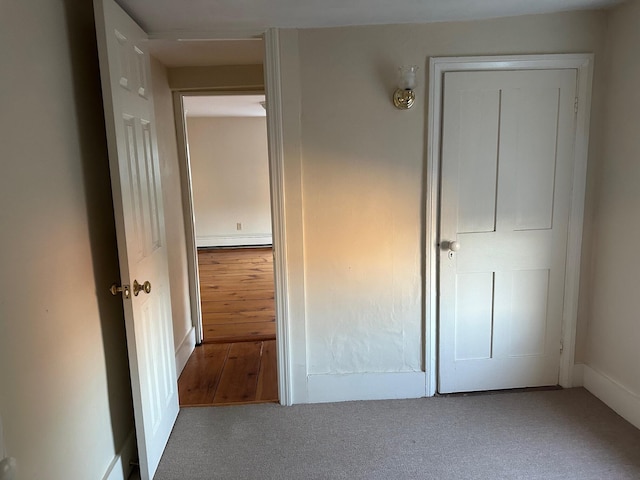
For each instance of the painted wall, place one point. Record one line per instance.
(174, 216)
(219, 77)
(230, 171)
(362, 176)
(614, 328)
(65, 398)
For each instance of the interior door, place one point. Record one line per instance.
(507, 156)
(137, 197)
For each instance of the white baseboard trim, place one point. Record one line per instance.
(622, 400)
(233, 240)
(577, 377)
(185, 349)
(365, 386)
(120, 467)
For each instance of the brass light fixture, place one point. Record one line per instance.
(404, 96)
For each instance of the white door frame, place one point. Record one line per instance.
(186, 189)
(276, 181)
(273, 87)
(583, 64)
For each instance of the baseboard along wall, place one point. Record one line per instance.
(622, 400)
(323, 388)
(184, 350)
(120, 467)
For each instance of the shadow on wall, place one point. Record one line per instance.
(97, 186)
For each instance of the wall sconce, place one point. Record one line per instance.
(404, 96)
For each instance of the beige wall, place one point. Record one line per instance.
(614, 328)
(221, 77)
(230, 172)
(362, 164)
(173, 211)
(65, 398)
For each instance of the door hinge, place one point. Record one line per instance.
(575, 105)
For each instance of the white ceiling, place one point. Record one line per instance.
(224, 106)
(241, 18)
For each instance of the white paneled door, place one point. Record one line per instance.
(507, 160)
(137, 197)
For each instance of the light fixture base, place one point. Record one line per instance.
(404, 99)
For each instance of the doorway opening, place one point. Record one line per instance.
(226, 144)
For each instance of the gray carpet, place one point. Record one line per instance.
(563, 434)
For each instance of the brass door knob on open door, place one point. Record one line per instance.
(141, 287)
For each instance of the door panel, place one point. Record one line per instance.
(479, 123)
(535, 155)
(137, 196)
(507, 153)
(474, 316)
(529, 291)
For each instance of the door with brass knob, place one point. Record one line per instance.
(139, 218)
(141, 287)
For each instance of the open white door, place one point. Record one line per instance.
(137, 198)
(507, 164)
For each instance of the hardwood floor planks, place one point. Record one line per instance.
(239, 380)
(239, 332)
(268, 377)
(237, 255)
(239, 268)
(237, 294)
(237, 362)
(243, 317)
(200, 378)
(237, 317)
(221, 306)
(253, 294)
(230, 373)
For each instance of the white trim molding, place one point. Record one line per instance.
(324, 388)
(583, 64)
(189, 215)
(273, 93)
(120, 466)
(185, 349)
(233, 240)
(622, 400)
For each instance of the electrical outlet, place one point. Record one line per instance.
(238, 226)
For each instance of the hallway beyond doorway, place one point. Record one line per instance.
(237, 294)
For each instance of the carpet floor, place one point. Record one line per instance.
(562, 434)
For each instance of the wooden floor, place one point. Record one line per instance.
(237, 361)
(230, 373)
(237, 294)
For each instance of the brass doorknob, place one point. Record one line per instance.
(144, 287)
(115, 289)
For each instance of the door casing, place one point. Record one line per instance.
(583, 64)
(276, 180)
